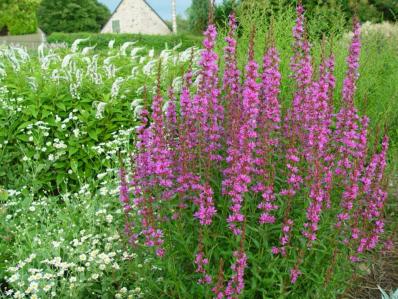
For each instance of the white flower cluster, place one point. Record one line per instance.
(79, 68)
(64, 261)
(387, 29)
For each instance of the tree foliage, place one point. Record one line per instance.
(72, 15)
(223, 10)
(198, 15)
(19, 16)
(367, 10)
(182, 24)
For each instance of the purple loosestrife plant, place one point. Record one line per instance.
(374, 201)
(161, 171)
(240, 157)
(235, 176)
(269, 119)
(349, 85)
(317, 153)
(231, 82)
(206, 206)
(209, 112)
(298, 115)
(236, 284)
(187, 141)
(202, 262)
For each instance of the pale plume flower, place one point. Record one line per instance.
(75, 45)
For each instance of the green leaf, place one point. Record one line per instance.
(73, 150)
(24, 125)
(59, 179)
(32, 110)
(74, 166)
(3, 194)
(60, 105)
(93, 135)
(24, 138)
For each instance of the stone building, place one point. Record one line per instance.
(136, 16)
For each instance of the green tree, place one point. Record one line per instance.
(18, 16)
(72, 16)
(182, 24)
(198, 15)
(367, 10)
(223, 10)
(388, 9)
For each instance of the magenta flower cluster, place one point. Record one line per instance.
(225, 145)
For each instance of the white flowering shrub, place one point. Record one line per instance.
(59, 106)
(386, 29)
(69, 246)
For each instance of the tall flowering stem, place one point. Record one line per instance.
(154, 176)
(236, 284)
(240, 157)
(161, 156)
(301, 66)
(187, 141)
(209, 112)
(202, 262)
(317, 149)
(269, 119)
(349, 85)
(206, 206)
(296, 122)
(294, 182)
(142, 185)
(231, 81)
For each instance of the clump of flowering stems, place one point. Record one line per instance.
(215, 153)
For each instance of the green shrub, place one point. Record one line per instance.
(57, 123)
(101, 41)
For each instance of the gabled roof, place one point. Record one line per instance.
(121, 1)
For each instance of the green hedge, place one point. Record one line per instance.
(101, 41)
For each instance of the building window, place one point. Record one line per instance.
(116, 26)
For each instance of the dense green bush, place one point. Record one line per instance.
(61, 118)
(72, 15)
(198, 15)
(101, 41)
(19, 17)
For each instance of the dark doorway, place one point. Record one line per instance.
(4, 31)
